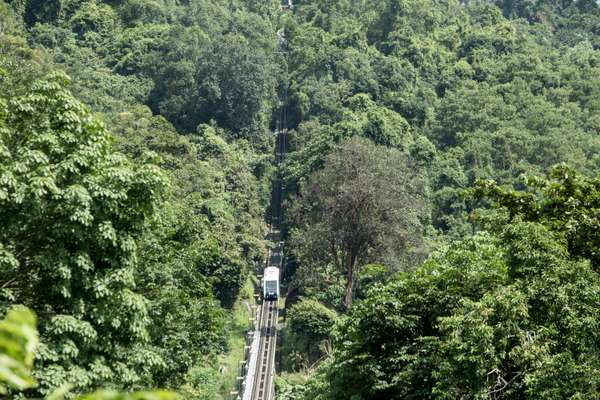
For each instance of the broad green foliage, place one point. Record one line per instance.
(193, 62)
(18, 343)
(214, 204)
(201, 249)
(497, 97)
(361, 117)
(287, 391)
(308, 328)
(203, 383)
(371, 275)
(482, 316)
(483, 95)
(133, 262)
(180, 269)
(108, 395)
(568, 204)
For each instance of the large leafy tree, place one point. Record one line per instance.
(71, 210)
(499, 316)
(367, 203)
(195, 257)
(487, 317)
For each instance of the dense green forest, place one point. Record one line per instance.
(132, 205)
(470, 280)
(442, 220)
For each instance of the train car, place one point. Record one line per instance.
(271, 283)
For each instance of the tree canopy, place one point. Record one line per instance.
(488, 316)
(366, 203)
(71, 212)
(136, 167)
(129, 235)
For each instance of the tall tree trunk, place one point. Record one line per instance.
(350, 285)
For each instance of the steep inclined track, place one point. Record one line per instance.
(258, 384)
(261, 369)
(263, 386)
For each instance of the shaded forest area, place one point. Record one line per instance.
(442, 201)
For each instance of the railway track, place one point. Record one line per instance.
(263, 385)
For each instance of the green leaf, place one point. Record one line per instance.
(18, 341)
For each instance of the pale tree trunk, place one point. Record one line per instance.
(350, 284)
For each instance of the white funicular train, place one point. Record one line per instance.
(271, 283)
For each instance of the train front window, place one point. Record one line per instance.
(271, 286)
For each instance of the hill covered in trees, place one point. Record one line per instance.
(132, 206)
(459, 292)
(135, 170)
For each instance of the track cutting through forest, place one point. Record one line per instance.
(261, 371)
(263, 388)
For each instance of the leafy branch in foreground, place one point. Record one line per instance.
(18, 340)
(18, 343)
